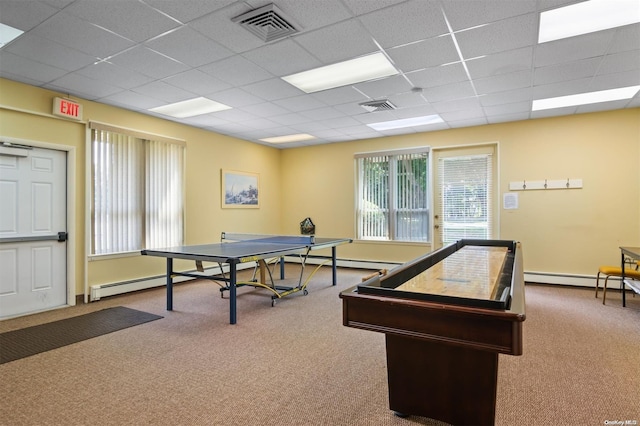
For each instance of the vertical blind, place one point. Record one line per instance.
(392, 196)
(466, 194)
(373, 211)
(137, 199)
(164, 219)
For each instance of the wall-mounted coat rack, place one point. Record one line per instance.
(525, 185)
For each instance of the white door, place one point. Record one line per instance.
(464, 194)
(33, 229)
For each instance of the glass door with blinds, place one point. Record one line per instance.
(465, 203)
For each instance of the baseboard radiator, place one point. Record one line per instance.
(111, 289)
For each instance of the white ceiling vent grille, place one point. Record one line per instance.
(268, 23)
(380, 105)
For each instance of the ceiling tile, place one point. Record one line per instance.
(339, 95)
(271, 90)
(502, 82)
(438, 76)
(219, 26)
(508, 117)
(625, 38)
(265, 109)
(235, 97)
(408, 100)
(384, 87)
(467, 122)
(196, 81)
(618, 62)
(282, 58)
(201, 51)
(508, 34)
(322, 113)
(572, 49)
(449, 92)
(148, 62)
(81, 86)
(354, 41)
(290, 119)
(562, 88)
(405, 23)
(299, 103)
(237, 71)
(566, 71)
(310, 14)
(28, 69)
(132, 100)
(501, 63)
(115, 75)
(516, 107)
(47, 52)
(424, 54)
(163, 91)
(463, 114)
(185, 11)
(123, 18)
(457, 104)
(360, 7)
(464, 14)
(614, 80)
(81, 35)
(25, 15)
(507, 97)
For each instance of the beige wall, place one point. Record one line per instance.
(569, 232)
(562, 231)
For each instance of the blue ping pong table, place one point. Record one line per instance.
(244, 248)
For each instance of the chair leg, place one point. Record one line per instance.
(604, 289)
(597, 283)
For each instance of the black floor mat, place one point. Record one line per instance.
(29, 341)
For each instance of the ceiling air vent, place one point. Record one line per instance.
(380, 105)
(268, 23)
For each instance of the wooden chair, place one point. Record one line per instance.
(615, 271)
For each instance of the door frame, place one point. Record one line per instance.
(72, 229)
(434, 184)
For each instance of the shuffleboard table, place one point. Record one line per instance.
(446, 317)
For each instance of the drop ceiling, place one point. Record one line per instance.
(472, 62)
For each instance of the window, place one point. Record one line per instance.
(466, 197)
(392, 195)
(136, 188)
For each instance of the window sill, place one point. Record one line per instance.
(94, 257)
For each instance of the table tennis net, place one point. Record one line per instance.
(265, 238)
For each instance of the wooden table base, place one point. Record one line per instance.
(453, 384)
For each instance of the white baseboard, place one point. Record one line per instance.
(568, 279)
(111, 289)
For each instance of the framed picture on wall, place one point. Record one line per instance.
(240, 190)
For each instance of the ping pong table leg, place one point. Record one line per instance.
(334, 267)
(282, 268)
(169, 284)
(232, 293)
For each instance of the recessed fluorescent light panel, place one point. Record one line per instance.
(587, 17)
(190, 108)
(406, 122)
(585, 98)
(353, 71)
(8, 34)
(289, 138)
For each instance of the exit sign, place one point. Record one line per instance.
(67, 108)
